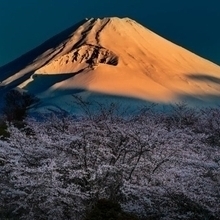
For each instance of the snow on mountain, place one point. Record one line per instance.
(112, 56)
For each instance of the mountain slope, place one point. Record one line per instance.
(117, 57)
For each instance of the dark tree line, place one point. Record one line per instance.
(16, 105)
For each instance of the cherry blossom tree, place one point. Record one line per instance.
(60, 167)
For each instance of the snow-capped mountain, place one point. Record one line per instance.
(112, 56)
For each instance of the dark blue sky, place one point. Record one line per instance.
(193, 24)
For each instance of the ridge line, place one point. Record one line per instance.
(97, 37)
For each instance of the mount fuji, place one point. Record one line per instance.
(112, 58)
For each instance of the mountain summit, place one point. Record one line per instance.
(113, 56)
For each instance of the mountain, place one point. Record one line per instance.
(116, 57)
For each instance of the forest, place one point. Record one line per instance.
(148, 165)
